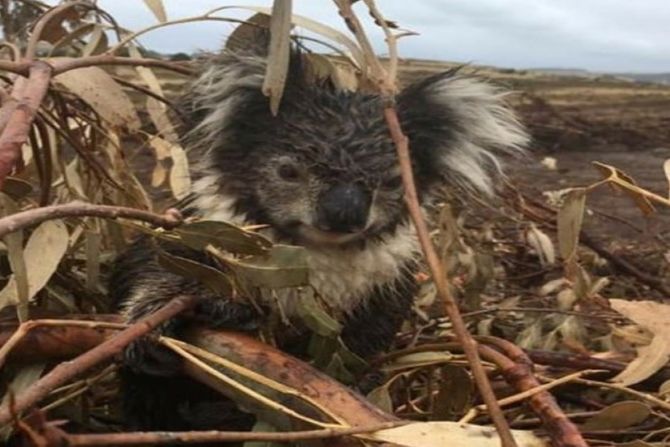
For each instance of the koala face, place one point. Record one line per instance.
(324, 171)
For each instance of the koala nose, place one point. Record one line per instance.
(343, 208)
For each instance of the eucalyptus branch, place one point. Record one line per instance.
(391, 41)
(170, 219)
(376, 70)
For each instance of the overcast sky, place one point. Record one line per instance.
(599, 35)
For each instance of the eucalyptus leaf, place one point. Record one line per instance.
(211, 277)
(316, 319)
(282, 266)
(225, 236)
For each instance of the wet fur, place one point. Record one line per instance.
(458, 128)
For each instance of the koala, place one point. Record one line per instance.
(322, 174)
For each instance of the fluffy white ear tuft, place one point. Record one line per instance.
(470, 127)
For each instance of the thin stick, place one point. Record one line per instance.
(515, 398)
(60, 66)
(170, 219)
(68, 370)
(136, 34)
(624, 389)
(470, 347)
(160, 438)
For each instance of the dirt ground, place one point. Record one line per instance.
(578, 120)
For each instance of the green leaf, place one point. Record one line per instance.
(225, 236)
(381, 398)
(16, 188)
(211, 277)
(618, 416)
(316, 318)
(43, 252)
(283, 266)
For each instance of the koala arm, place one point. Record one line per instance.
(139, 285)
(371, 328)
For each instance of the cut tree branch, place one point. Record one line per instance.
(68, 370)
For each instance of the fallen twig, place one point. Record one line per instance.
(516, 367)
(55, 436)
(170, 219)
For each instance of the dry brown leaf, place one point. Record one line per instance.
(180, 178)
(158, 9)
(541, 243)
(99, 90)
(620, 179)
(158, 114)
(147, 74)
(162, 150)
(78, 33)
(43, 252)
(14, 243)
(618, 416)
(54, 30)
(570, 218)
(97, 43)
(331, 34)
(422, 434)
(654, 317)
(278, 53)
(93, 250)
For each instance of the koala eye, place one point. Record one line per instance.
(288, 172)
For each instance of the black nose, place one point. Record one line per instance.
(343, 208)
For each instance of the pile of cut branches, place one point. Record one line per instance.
(541, 348)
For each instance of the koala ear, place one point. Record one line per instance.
(458, 127)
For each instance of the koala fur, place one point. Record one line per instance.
(323, 174)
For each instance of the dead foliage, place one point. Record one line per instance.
(89, 150)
